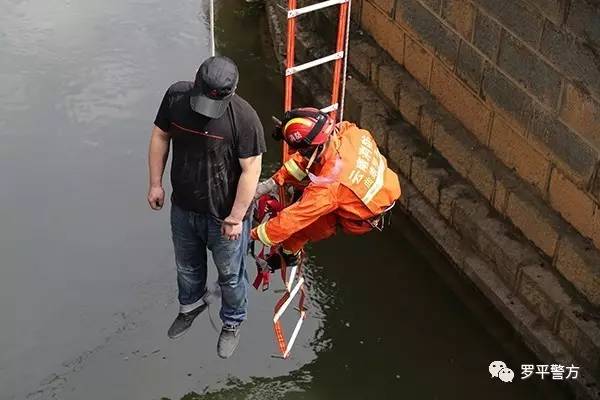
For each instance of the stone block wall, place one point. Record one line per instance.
(524, 71)
(522, 77)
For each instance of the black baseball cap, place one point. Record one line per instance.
(215, 84)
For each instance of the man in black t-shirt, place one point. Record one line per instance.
(218, 141)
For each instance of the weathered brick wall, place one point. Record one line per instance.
(458, 190)
(522, 75)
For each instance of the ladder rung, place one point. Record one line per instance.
(314, 7)
(291, 296)
(330, 108)
(310, 64)
(294, 335)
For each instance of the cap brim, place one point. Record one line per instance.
(209, 107)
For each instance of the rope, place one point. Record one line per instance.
(212, 28)
(343, 96)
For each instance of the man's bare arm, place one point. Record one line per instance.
(157, 158)
(246, 188)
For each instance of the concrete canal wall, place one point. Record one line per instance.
(490, 112)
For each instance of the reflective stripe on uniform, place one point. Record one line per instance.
(376, 187)
(293, 168)
(261, 231)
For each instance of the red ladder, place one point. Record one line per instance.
(339, 57)
(335, 110)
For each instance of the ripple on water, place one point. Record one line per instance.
(107, 90)
(13, 94)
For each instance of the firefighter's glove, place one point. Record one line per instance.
(265, 187)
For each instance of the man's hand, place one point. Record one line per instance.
(156, 197)
(231, 228)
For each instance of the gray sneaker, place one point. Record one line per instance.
(183, 322)
(228, 340)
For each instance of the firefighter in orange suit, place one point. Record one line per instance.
(346, 182)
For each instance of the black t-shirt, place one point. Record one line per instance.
(206, 152)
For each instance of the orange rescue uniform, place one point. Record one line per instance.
(350, 185)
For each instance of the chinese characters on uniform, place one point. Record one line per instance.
(367, 163)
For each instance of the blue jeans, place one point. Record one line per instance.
(193, 234)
